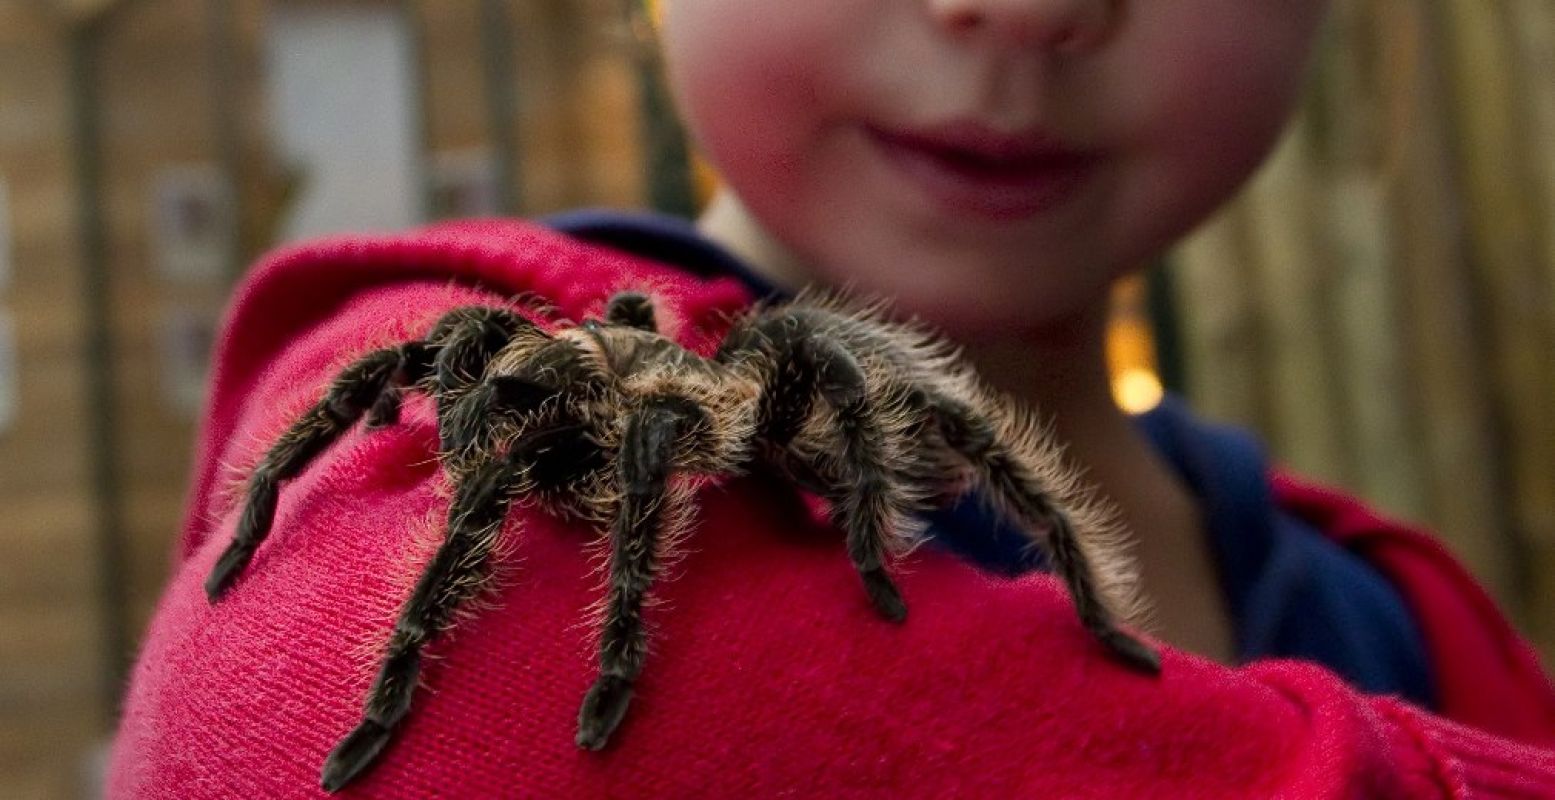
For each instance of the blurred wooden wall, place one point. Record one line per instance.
(1379, 301)
(49, 680)
(161, 65)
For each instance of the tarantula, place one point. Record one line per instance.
(879, 418)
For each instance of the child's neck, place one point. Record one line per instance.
(727, 222)
(1062, 371)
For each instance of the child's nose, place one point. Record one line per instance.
(1066, 26)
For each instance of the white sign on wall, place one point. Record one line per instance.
(339, 84)
(193, 223)
(187, 336)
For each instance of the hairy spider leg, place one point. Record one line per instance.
(868, 507)
(646, 456)
(865, 501)
(632, 309)
(455, 574)
(468, 339)
(370, 386)
(352, 393)
(414, 367)
(1008, 471)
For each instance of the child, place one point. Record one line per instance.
(991, 166)
(995, 184)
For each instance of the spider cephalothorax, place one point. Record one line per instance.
(611, 422)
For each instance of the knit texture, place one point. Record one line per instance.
(770, 676)
(1487, 676)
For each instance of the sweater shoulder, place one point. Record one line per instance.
(305, 311)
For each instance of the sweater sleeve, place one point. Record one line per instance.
(1487, 675)
(1459, 761)
(770, 676)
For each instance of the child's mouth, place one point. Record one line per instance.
(973, 170)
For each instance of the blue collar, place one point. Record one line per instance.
(662, 238)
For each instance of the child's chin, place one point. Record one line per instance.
(986, 314)
(970, 320)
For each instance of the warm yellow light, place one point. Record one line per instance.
(1137, 390)
(704, 179)
(1136, 387)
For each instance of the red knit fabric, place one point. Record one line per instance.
(1486, 675)
(771, 676)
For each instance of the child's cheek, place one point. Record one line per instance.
(1214, 105)
(746, 79)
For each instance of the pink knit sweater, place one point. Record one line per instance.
(771, 677)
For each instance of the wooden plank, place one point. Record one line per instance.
(24, 24)
(1381, 437)
(44, 447)
(1353, 169)
(34, 164)
(50, 655)
(34, 782)
(47, 552)
(84, 12)
(1306, 429)
(50, 747)
(1451, 375)
(614, 172)
(456, 117)
(1491, 133)
(1222, 338)
(1533, 28)
(49, 324)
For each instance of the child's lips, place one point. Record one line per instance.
(973, 170)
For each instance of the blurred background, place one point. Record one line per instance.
(1378, 304)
